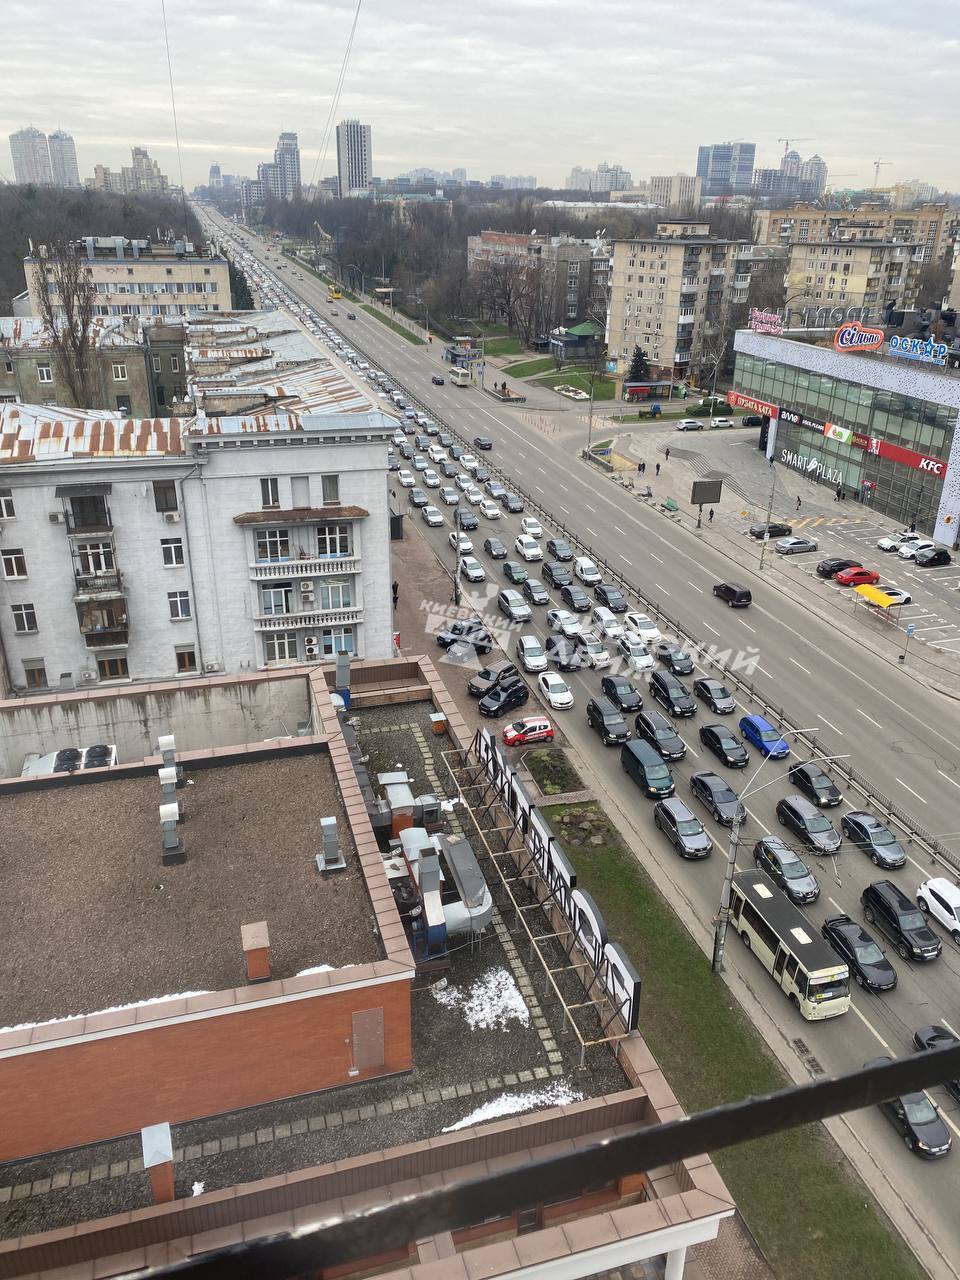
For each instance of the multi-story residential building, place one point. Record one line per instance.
(128, 364)
(215, 178)
(105, 179)
(354, 158)
(802, 223)
(143, 278)
(251, 194)
(605, 177)
(670, 291)
(31, 157)
(952, 299)
(676, 191)
(514, 181)
(138, 549)
(142, 175)
(801, 179)
(268, 179)
(563, 264)
(726, 167)
(63, 160)
(286, 158)
(905, 194)
(854, 271)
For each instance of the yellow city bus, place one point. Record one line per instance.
(333, 293)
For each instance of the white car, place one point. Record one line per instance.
(399, 438)
(436, 454)
(463, 482)
(432, 517)
(566, 623)
(722, 422)
(528, 547)
(406, 478)
(473, 495)
(606, 622)
(531, 527)
(643, 626)
(635, 653)
(460, 542)
(894, 541)
(555, 690)
(940, 898)
(469, 463)
(489, 509)
(591, 650)
(472, 569)
(909, 550)
(449, 496)
(431, 479)
(530, 654)
(587, 571)
(897, 595)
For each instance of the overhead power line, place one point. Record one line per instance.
(321, 159)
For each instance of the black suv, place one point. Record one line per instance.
(660, 733)
(901, 920)
(556, 574)
(803, 818)
(677, 659)
(612, 597)
(621, 693)
(559, 548)
(507, 696)
(511, 502)
(733, 594)
(470, 631)
(489, 677)
(682, 828)
(604, 718)
(775, 857)
(672, 694)
(815, 784)
(725, 745)
(575, 598)
(534, 591)
(869, 966)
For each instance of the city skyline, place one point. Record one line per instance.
(421, 80)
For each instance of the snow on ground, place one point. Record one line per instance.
(492, 1001)
(557, 1094)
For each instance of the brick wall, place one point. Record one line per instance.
(95, 1086)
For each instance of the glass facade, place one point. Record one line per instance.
(905, 492)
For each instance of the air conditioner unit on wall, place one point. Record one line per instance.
(211, 666)
(88, 675)
(306, 586)
(311, 650)
(57, 517)
(172, 517)
(311, 640)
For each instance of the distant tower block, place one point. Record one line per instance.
(256, 950)
(156, 1143)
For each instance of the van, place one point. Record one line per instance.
(607, 720)
(642, 763)
(900, 919)
(733, 594)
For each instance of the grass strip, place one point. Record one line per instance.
(394, 325)
(551, 771)
(603, 388)
(527, 368)
(808, 1210)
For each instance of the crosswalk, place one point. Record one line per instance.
(814, 522)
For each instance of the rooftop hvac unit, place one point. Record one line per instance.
(311, 650)
(172, 517)
(306, 585)
(312, 640)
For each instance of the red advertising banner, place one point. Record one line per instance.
(909, 458)
(748, 402)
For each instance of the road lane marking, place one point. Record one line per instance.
(626, 561)
(565, 511)
(948, 778)
(590, 531)
(695, 587)
(836, 904)
(619, 530)
(870, 718)
(870, 1027)
(910, 789)
(764, 671)
(659, 588)
(541, 470)
(804, 669)
(538, 489)
(829, 725)
(709, 628)
(757, 821)
(945, 1023)
(748, 626)
(653, 557)
(589, 508)
(563, 487)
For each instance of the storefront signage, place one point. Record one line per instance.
(739, 401)
(835, 432)
(811, 466)
(909, 457)
(766, 322)
(795, 419)
(854, 337)
(923, 349)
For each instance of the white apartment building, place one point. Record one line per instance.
(63, 160)
(31, 157)
(354, 158)
(676, 191)
(136, 550)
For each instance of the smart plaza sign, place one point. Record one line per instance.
(610, 965)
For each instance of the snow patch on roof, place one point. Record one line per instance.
(558, 1094)
(492, 1001)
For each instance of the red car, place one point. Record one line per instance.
(529, 729)
(856, 577)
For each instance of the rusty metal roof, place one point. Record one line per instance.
(32, 433)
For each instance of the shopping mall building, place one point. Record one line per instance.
(876, 417)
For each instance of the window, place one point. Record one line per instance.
(123, 404)
(169, 271)
(95, 557)
(113, 668)
(334, 540)
(179, 602)
(300, 491)
(174, 364)
(331, 490)
(24, 618)
(165, 495)
(270, 492)
(156, 364)
(6, 505)
(119, 371)
(44, 373)
(280, 646)
(171, 549)
(9, 366)
(186, 658)
(161, 396)
(276, 599)
(14, 563)
(35, 673)
(336, 595)
(273, 544)
(334, 640)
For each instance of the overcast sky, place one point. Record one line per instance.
(495, 86)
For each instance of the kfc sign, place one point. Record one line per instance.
(854, 337)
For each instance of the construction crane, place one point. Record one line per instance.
(786, 142)
(876, 171)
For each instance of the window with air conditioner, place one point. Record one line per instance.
(165, 495)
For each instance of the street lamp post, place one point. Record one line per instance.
(456, 556)
(723, 915)
(766, 524)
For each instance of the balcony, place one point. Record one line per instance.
(92, 520)
(107, 637)
(681, 357)
(308, 567)
(312, 618)
(97, 586)
(741, 282)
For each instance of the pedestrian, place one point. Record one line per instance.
(396, 593)
(666, 455)
(658, 468)
(913, 526)
(643, 468)
(836, 496)
(798, 504)
(639, 468)
(710, 516)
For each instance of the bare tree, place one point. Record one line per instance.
(712, 354)
(65, 296)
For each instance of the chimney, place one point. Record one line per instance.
(156, 1144)
(168, 784)
(256, 950)
(172, 846)
(330, 858)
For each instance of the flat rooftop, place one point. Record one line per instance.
(91, 919)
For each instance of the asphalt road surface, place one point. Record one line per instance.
(899, 733)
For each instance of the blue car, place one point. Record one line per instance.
(764, 737)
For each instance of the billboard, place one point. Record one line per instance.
(705, 492)
(856, 337)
